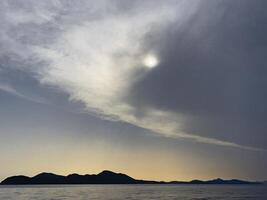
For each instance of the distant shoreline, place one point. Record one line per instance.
(109, 177)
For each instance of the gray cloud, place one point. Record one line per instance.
(208, 86)
(213, 71)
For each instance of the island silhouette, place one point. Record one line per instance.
(105, 177)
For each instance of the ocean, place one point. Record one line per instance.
(134, 192)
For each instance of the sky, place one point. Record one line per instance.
(159, 90)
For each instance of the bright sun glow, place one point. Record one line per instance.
(150, 61)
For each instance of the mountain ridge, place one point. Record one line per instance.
(104, 177)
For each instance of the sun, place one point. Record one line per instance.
(150, 61)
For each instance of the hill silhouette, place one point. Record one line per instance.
(105, 177)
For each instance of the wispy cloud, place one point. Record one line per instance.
(9, 89)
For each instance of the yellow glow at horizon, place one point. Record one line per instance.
(150, 61)
(81, 156)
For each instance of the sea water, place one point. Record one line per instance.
(134, 192)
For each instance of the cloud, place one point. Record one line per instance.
(94, 52)
(9, 89)
(212, 73)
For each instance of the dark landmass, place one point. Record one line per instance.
(105, 177)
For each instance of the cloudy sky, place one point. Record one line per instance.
(164, 90)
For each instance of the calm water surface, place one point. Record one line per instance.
(132, 192)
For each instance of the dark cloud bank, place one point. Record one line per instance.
(213, 70)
